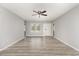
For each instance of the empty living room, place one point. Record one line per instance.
(39, 29)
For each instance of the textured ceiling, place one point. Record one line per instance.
(25, 10)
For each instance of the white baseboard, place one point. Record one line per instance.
(39, 35)
(67, 44)
(11, 44)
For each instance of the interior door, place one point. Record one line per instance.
(47, 29)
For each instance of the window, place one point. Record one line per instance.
(35, 27)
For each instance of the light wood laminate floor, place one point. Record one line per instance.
(39, 46)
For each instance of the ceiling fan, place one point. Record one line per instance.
(40, 13)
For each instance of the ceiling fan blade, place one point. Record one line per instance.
(35, 11)
(43, 11)
(44, 14)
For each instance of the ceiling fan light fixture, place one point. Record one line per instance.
(40, 13)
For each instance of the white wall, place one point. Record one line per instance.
(11, 28)
(67, 28)
(46, 29)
